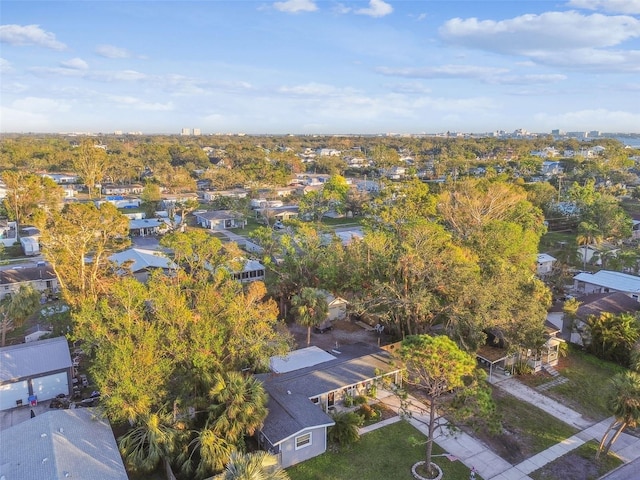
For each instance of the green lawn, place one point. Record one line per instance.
(579, 464)
(526, 430)
(386, 453)
(588, 378)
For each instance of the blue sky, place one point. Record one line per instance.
(305, 66)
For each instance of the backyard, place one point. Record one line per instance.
(388, 452)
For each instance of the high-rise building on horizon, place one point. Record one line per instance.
(196, 131)
(185, 131)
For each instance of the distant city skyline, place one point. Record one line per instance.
(320, 67)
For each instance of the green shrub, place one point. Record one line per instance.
(369, 413)
(348, 401)
(360, 400)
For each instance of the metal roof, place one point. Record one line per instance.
(618, 281)
(34, 358)
(143, 259)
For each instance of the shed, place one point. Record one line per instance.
(42, 368)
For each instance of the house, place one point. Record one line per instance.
(545, 264)
(148, 226)
(597, 303)
(37, 332)
(132, 189)
(141, 262)
(306, 385)
(60, 444)
(253, 271)
(8, 232)
(337, 306)
(237, 193)
(42, 369)
(606, 281)
(42, 279)
(219, 219)
(286, 212)
(595, 254)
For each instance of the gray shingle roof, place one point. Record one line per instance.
(290, 408)
(26, 275)
(61, 444)
(34, 358)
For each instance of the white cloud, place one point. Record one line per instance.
(444, 71)
(548, 31)
(75, 64)
(13, 87)
(15, 120)
(296, 6)
(5, 66)
(528, 79)
(22, 35)
(629, 7)
(136, 103)
(313, 90)
(409, 87)
(341, 9)
(377, 8)
(40, 105)
(111, 51)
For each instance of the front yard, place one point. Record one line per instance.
(579, 464)
(386, 453)
(526, 430)
(588, 377)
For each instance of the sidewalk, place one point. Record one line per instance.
(474, 453)
(468, 450)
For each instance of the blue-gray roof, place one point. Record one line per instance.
(34, 358)
(61, 444)
(290, 407)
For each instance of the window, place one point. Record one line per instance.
(303, 441)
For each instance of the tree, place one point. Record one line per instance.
(78, 241)
(624, 401)
(252, 466)
(15, 309)
(311, 309)
(149, 442)
(151, 197)
(612, 337)
(92, 163)
(436, 366)
(26, 191)
(588, 234)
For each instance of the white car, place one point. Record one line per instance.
(278, 225)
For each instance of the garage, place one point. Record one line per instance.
(50, 386)
(13, 394)
(42, 368)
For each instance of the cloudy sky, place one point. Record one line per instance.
(311, 66)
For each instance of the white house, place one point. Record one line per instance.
(42, 369)
(606, 281)
(545, 263)
(141, 262)
(252, 271)
(218, 219)
(8, 232)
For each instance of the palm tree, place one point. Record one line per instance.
(238, 406)
(310, 306)
(588, 233)
(252, 466)
(152, 440)
(346, 429)
(625, 403)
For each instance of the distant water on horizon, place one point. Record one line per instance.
(633, 142)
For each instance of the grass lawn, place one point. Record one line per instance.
(579, 464)
(526, 430)
(551, 241)
(386, 453)
(588, 377)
